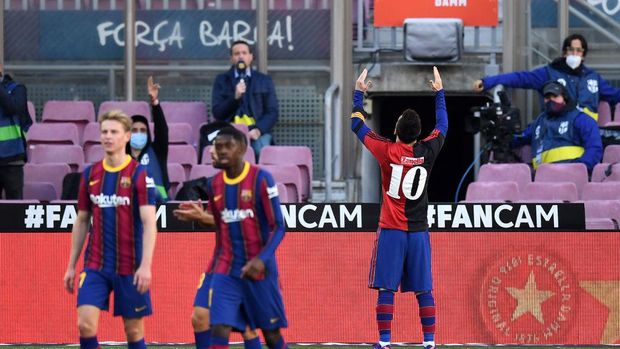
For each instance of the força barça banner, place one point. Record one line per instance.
(334, 217)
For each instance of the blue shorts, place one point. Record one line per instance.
(240, 302)
(202, 295)
(95, 287)
(402, 259)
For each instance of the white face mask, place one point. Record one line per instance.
(573, 61)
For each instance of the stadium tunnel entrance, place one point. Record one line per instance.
(457, 153)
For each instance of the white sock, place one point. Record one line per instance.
(424, 344)
(383, 344)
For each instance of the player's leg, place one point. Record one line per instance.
(386, 272)
(200, 315)
(93, 296)
(418, 277)
(133, 307)
(225, 309)
(274, 339)
(251, 340)
(134, 331)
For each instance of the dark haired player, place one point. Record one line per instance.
(402, 252)
(245, 209)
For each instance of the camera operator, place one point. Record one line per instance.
(561, 133)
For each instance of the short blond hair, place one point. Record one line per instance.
(117, 115)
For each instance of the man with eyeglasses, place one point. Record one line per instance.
(584, 85)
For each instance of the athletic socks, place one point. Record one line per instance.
(141, 344)
(89, 343)
(219, 342)
(385, 315)
(427, 315)
(253, 343)
(203, 339)
(280, 344)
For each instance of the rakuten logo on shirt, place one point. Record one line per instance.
(104, 201)
(236, 215)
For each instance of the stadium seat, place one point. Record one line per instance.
(293, 155)
(93, 153)
(290, 176)
(23, 201)
(182, 154)
(572, 172)
(57, 153)
(202, 171)
(602, 208)
(601, 224)
(517, 172)
(176, 176)
(193, 113)
(92, 135)
(77, 112)
(524, 153)
(283, 193)
(43, 191)
(53, 173)
(611, 153)
(550, 192)
(599, 172)
(180, 133)
(601, 191)
(604, 113)
(53, 133)
(492, 192)
(129, 108)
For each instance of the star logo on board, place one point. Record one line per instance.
(529, 299)
(608, 294)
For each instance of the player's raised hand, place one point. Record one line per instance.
(436, 84)
(142, 279)
(361, 84)
(69, 280)
(193, 211)
(253, 269)
(153, 89)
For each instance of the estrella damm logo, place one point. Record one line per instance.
(529, 297)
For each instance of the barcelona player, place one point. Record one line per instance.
(120, 198)
(194, 211)
(402, 252)
(245, 209)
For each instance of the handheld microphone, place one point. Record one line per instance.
(240, 66)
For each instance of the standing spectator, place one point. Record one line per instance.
(561, 133)
(584, 85)
(14, 123)
(152, 153)
(120, 198)
(402, 254)
(242, 95)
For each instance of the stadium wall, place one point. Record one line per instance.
(497, 287)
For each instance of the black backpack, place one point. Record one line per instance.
(193, 190)
(71, 186)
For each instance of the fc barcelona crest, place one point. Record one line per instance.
(246, 195)
(125, 182)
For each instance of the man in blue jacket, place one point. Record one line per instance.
(585, 86)
(561, 133)
(242, 95)
(14, 123)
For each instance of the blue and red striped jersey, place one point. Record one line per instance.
(113, 195)
(248, 219)
(404, 168)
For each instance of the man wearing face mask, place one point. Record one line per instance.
(152, 153)
(561, 133)
(585, 86)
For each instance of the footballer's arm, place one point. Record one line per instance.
(78, 236)
(194, 212)
(142, 277)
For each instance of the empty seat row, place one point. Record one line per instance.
(605, 116)
(540, 192)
